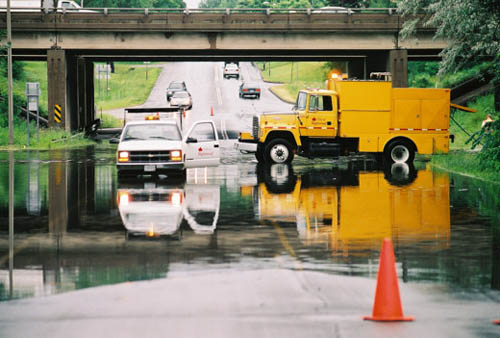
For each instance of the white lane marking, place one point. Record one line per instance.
(223, 130)
(219, 96)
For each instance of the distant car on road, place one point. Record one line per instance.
(181, 99)
(231, 70)
(334, 9)
(175, 86)
(249, 89)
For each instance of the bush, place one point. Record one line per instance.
(489, 137)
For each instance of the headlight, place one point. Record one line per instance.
(176, 155)
(123, 156)
(123, 198)
(176, 198)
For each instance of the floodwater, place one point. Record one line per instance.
(77, 226)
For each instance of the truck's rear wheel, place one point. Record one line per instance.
(278, 151)
(400, 151)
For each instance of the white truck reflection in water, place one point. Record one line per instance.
(155, 211)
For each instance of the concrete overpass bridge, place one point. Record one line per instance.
(71, 42)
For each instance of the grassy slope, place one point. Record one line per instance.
(127, 86)
(310, 74)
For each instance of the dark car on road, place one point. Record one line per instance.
(249, 89)
(175, 86)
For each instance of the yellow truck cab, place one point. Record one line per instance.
(352, 116)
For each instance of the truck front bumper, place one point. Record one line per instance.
(246, 147)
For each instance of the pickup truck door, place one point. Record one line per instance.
(201, 207)
(320, 119)
(201, 145)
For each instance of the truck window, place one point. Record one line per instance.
(325, 103)
(203, 132)
(313, 103)
(320, 103)
(301, 101)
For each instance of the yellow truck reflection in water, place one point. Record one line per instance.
(358, 211)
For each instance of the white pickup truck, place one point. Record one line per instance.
(42, 5)
(158, 147)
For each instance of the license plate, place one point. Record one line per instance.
(149, 168)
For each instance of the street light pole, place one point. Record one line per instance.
(9, 72)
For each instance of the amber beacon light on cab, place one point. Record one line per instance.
(354, 116)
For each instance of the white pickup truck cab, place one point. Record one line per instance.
(159, 147)
(158, 210)
(42, 5)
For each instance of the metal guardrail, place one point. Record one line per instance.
(209, 20)
(188, 11)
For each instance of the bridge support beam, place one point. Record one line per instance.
(57, 89)
(394, 61)
(85, 95)
(398, 66)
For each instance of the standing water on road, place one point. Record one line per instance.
(77, 226)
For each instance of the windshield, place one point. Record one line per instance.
(152, 131)
(176, 86)
(301, 101)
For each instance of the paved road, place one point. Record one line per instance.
(260, 303)
(211, 92)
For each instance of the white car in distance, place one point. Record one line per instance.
(181, 99)
(159, 147)
(231, 70)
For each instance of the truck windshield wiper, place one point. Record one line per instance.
(131, 138)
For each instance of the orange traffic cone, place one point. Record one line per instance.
(497, 322)
(387, 306)
(211, 111)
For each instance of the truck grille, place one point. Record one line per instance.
(149, 156)
(255, 127)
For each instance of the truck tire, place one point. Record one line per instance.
(400, 151)
(278, 178)
(259, 154)
(278, 151)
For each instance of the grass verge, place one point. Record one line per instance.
(464, 163)
(293, 76)
(49, 139)
(128, 86)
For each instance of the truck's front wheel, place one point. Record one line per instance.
(278, 151)
(259, 155)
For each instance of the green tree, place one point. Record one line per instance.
(472, 28)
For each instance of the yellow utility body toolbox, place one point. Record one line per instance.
(352, 116)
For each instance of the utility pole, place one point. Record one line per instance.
(9, 72)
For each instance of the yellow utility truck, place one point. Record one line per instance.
(352, 116)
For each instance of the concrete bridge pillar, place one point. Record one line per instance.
(398, 66)
(85, 95)
(70, 90)
(57, 89)
(394, 61)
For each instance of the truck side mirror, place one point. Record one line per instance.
(114, 140)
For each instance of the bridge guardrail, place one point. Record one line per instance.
(208, 20)
(227, 11)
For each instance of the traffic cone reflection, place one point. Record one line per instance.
(387, 306)
(211, 111)
(497, 322)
